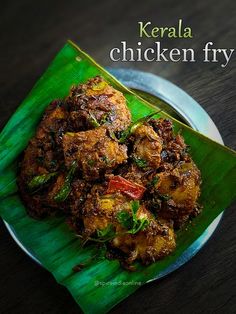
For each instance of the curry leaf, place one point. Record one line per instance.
(40, 180)
(131, 129)
(64, 192)
(93, 121)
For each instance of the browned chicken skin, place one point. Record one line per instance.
(128, 194)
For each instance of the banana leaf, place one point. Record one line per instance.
(101, 285)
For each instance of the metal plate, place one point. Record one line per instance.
(179, 104)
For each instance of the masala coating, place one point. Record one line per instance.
(175, 193)
(97, 103)
(129, 188)
(94, 151)
(43, 156)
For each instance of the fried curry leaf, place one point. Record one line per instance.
(164, 197)
(91, 162)
(106, 118)
(64, 192)
(105, 159)
(153, 182)
(40, 180)
(93, 121)
(131, 129)
(112, 135)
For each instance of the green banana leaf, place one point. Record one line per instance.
(104, 283)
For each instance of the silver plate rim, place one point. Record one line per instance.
(175, 97)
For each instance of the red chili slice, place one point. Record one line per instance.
(134, 190)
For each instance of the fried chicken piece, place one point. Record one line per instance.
(44, 149)
(100, 209)
(163, 127)
(176, 192)
(95, 152)
(75, 199)
(76, 149)
(40, 202)
(154, 242)
(43, 155)
(148, 245)
(97, 103)
(174, 148)
(147, 146)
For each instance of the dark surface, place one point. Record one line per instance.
(31, 35)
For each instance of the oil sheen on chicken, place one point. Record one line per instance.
(128, 187)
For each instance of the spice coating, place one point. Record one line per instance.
(128, 185)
